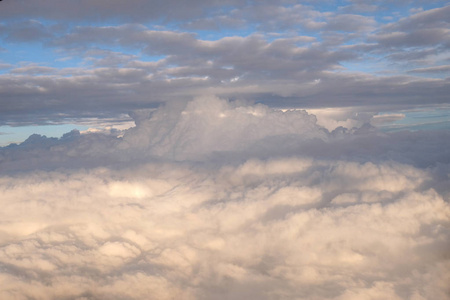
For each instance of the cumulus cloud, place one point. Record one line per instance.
(209, 125)
(214, 128)
(219, 200)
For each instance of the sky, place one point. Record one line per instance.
(64, 61)
(228, 149)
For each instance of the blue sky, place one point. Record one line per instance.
(62, 61)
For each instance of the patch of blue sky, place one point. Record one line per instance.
(418, 115)
(17, 135)
(216, 31)
(19, 54)
(438, 125)
(5, 67)
(420, 119)
(214, 35)
(150, 58)
(134, 53)
(23, 54)
(368, 66)
(330, 6)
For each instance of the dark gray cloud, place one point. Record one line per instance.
(433, 18)
(5, 66)
(97, 10)
(414, 55)
(415, 33)
(26, 31)
(421, 37)
(350, 23)
(436, 69)
(295, 56)
(33, 70)
(101, 91)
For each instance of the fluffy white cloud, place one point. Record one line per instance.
(183, 206)
(288, 227)
(208, 125)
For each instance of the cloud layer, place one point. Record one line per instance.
(226, 188)
(58, 64)
(220, 200)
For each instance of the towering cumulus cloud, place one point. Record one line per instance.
(208, 125)
(226, 200)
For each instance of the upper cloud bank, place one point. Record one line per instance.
(293, 54)
(220, 200)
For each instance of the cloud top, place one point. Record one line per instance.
(207, 125)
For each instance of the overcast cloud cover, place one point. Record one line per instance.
(69, 59)
(280, 150)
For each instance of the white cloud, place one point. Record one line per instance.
(208, 125)
(348, 117)
(154, 215)
(283, 227)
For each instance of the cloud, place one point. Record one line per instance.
(214, 128)
(216, 200)
(5, 66)
(33, 70)
(415, 34)
(350, 23)
(386, 118)
(209, 125)
(136, 10)
(432, 18)
(289, 55)
(332, 118)
(245, 54)
(187, 232)
(26, 31)
(280, 73)
(436, 69)
(225, 188)
(420, 37)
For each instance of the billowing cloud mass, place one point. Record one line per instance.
(270, 150)
(214, 199)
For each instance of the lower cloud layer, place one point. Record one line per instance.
(287, 228)
(221, 201)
